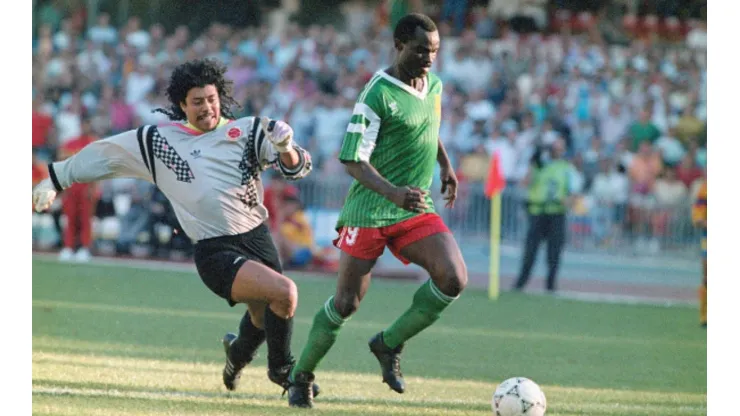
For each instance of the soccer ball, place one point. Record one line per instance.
(519, 396)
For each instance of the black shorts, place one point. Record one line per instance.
(218, 259)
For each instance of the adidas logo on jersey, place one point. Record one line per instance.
(195, 153)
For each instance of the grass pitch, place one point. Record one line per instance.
(124, 341)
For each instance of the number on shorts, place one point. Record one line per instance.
(351, 237)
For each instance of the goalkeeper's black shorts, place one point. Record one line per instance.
(218, 259)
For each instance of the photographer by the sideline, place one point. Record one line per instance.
(549, 184)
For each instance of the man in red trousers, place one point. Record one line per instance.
(78, 204)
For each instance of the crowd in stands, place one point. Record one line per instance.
(633, 113)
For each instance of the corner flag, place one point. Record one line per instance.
(495, 184)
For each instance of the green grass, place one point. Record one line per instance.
(110, 340)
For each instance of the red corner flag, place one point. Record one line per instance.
(495, 181)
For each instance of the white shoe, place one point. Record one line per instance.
(83, 255)
(66, 254)
(654, 246)
(641, 245)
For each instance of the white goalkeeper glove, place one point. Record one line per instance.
(43, 195)
(281, 135)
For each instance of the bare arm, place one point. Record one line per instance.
(447, 175)
(442, 158)
(410, 199)
(368, 177)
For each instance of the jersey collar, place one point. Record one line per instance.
(221, 122)
(400, 84)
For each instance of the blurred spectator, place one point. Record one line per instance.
(643, 130)
(77, 204)
(645, 167)
(478, 107)
(591, 158)
(69, 121)
(43, 45)
(484, 26)
(296, 243)
(580, 224)
(400, 8)
(139, 83)
(615, 124)
(689, 126)
(505, 146)
(687, 171)
(144, 109)
(523, 15)
(670, 148)
(622, 156)
(474, 165)
(121, 113)
(609, 193)
(135, 35)
(42, 128)
(504, 94)
(93, 61)
(577, 178)
(241, 71)
(670, 195)
(65, 38)
(103, 32)
(643, 171)
(699, 219)
(136, 210)
(455, 10)
(277, 190)
(697, 37)
(39, 171)
(50, 14)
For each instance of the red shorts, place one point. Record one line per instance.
(369, 243)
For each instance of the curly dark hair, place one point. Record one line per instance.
(197, 74)
(406, 27)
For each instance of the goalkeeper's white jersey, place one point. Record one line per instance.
(212, 179)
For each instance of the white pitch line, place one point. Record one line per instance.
(157, 265)
(170, 266)
(623, 299)
(205, 396)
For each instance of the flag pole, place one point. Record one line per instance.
(495, 244)
(495, 184)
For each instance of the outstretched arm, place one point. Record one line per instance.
(120, 156)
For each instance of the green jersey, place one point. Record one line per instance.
(549, 188)
(396, 129)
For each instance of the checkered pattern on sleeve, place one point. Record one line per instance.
(168, 155)
(250, 166)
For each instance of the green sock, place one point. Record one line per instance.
(428, 303)
(324, 331)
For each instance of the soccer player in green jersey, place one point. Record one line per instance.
(391, 148)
